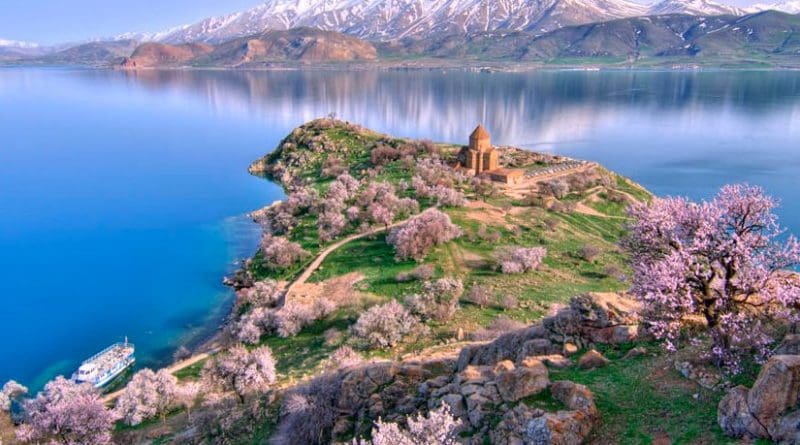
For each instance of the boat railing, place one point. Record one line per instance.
(109, 348)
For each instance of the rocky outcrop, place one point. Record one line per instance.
(589, 319)
(592, 359)
(489, 386)
(155, 55)
(770, 408)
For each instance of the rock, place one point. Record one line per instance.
(776, 389)
(460, 334)
(592, 359)
(475, 374)
(734, 416)
(636, 352)
(787, 429)
(522, 382)
(790, 345)
(575, 397)
(456, 404)
(503, 366)
(537, 346)
(552, 360)
(560, 428)
(570, 349)
(624, 334)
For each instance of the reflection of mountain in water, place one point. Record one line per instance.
(525, 109)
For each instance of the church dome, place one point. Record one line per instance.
(479, 133)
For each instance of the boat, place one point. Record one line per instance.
(102, 367)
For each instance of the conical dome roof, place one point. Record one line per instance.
(479, 133)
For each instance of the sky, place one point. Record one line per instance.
(59, 21)
(62, 21)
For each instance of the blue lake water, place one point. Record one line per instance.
(122, 195)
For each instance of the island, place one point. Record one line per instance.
(421, 292)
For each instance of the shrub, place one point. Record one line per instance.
(500, 325)
(438, 428)
(280, 253)
(417, 237)
(11, 393)
(383, 154)
(264, 293)
(182, 353)
(723, 261)
(147, 395)
(301, 200)
(67, 412)
(384, 325)
(438, 299)
(332, 336)
(509, 302)
(557, 188)
(343, 357)
(589, 252)
(423, 272)
(309, 412)
(513, 260)
(332, 167)
(330, 225)
(447, 196)
(241, 371)
(479, 296)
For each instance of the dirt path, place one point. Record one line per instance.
(301, 280)
(108, 398)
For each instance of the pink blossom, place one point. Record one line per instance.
(147, 395)
(417, 237)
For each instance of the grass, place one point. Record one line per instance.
(644, 398)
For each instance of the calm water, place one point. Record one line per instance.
(122, 195)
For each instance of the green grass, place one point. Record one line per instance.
(191, 372)
(641, 398)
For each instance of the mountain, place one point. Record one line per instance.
(15, 44)
(153, 54)
(788, 6)
(693, 7)
(13, 50)
(383, 20)
(667, 37)
(293, 45)
(90, 53)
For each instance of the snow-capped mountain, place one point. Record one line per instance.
(392, 19)
(788, 6)
(693, 7)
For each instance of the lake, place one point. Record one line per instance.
(123, 196)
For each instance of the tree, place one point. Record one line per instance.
(187, 395)
(384, 325)
(722, 260)
(147, 395)
(330, 225)
(66, 413)
(417, 237)
(438, 299)
(438, 428)
(280, 253)
(513, 260)
(241, 371)
(11, 393)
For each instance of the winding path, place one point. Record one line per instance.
(301, 280)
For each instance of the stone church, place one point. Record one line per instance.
(482, 159)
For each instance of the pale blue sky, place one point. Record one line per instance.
(59, 21)
(53, 21)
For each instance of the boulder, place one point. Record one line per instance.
(552, 360)
(734, 416)
(560, 428)
(636, 352)
(575, 397)
(787, 429)
(790, 345)
(570, 349)
(456, 404)
(776, 389)
(522, 382)
(592, 359)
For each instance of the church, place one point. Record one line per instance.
(482, 159)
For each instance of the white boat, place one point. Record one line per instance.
(102, 367)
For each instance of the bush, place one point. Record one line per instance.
(557, 188)
(241, 371)
(499, 326)
(423, 272)
(438, 428)
(438, 299)
(513, 260)
(309, 412)
(383, 154)
(416, 238)
(385, 325)
(280, 253)
(343, 357)
(147, 395)
(589, 252)
(479, 296)
(264, 293)
(509, 302)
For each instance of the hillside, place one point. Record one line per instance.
(152, 55)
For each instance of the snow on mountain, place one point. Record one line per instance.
(392, 19)
(788, 6)
(15, 44)
(693, 7)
